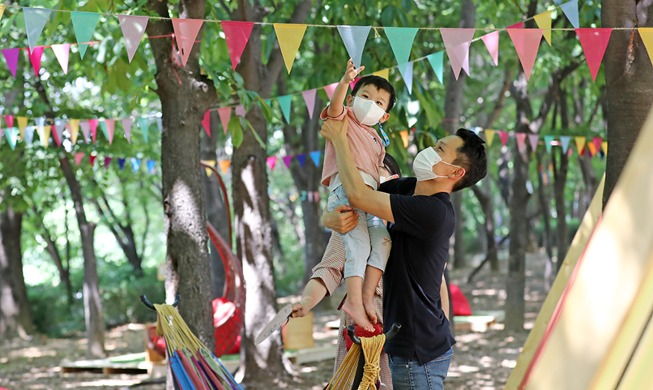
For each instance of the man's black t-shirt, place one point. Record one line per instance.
(413, 276)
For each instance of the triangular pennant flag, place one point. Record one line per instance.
(533, 139)
(73, 124)
(62, 52)
(86, 130)
(309, 99)
(604, 146)
(570, 9)
(330, 89)
(385, 73)
(406, 71)
(290, 37)
(144, 125)
(315, 156)
(647, 36)
(9, 120)
(564, 142)
(2, 134)
(186, 31)
(597, 141)
(127, 127)
(133, 28)
(151, 165)
(12, 135)
(22, 124)
(78, 157)
(136, 164)
(35, 56)
(206, 122)
(302, 159)
(121, 163)
(159, 124)
(225, 115)
(491, 41)
(548, 142)
(527, 43)
(580, 143)
(437, 63)
(57, 134)
(543, 21)
(29, 135)
(594, 42)
(91, 159)
(93, 126)
(457, 42)
(401, 40)
(107, 161)
(352, 84)
(287, 160)
(489, 136)
(592, 148)
(521, 141)
(11, 56)
(404, 137)
(84, 25)
(503, 136)
(354, 38)
(209, 171)
(236, 34)
(240, 110)
(224, 166)
(110, 126)
(2, 10)
(284, 102)
(35, 20)
(271, 161)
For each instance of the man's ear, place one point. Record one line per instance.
(384, 118)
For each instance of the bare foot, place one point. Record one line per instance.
(358, 315)
(370, 310)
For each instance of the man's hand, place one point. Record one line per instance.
(300, 309)
(335, 130)
(351, 72)
(342, 219)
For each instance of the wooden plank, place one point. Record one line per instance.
(606, 281)
(311, 355)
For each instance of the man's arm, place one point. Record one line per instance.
(341, 220)
(360, 195)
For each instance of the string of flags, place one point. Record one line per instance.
(132, 162)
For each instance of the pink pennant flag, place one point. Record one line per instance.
(110, 125)
(527, 43)
(57, 134)
(237, 34)
(594, 42)
(62, 52)
(78, 157)
(598, 142)
(206, 122)
(186, 31)
(91, 159)
(521, 141)
(517, 25)
(133, 28)
(9, 120)
(330, 89)
(309, 99)
(503, 136)
(86, 130)
(457, 42)
(127, 126)
(225, 115)
(93, 125)
(107, 161)
(272, 162)
(35, 58)
(533, 140)
(491, 41)
(240, 110)
(11, 56)
(287, 160)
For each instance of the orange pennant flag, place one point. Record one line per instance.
(289, 37)
(224, 165)
(404, 137)
(592, 148)
(489, 136)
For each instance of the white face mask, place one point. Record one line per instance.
(424, 162)
(366, 111)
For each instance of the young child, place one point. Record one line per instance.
(367, 246)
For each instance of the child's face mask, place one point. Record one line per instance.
(366, 111)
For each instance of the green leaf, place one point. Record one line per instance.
(235, 128)
(258, 138)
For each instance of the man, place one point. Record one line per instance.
(422, 222)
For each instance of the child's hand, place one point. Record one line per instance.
(300, 309)
(351, 72)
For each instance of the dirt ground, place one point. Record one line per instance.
(482, 360)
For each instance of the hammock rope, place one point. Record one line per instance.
(344, 376)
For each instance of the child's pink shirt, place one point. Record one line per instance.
(365, 144)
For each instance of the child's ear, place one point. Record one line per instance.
(384, 118)
(350, 100)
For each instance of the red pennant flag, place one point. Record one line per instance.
(237, 34)
(206, 122)
(527, 43)
(503, 136)
(225, 115)
(594, 42)
(9, 120)
(272, 161)
(186, 31)
(91, 159)
(93, 125)
(35, 58)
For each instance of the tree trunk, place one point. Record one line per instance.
(92, 301)
(15, 312)
(545, 207)
(628, 81)
(185, 96)
(560, 170)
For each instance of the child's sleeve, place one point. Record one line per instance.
(324, 116)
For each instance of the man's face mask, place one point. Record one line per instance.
(366, 111)
(424, 162)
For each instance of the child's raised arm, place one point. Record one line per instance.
(336, 104)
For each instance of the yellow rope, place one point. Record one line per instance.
(344, 376)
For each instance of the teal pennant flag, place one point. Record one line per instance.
(84, 25)
(35, 20)
(437, 63)
(401, 40)
(284, 102)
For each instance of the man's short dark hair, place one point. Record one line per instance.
(380, 83)
(471, 156)
(391, 165)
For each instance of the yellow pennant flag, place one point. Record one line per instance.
(604, 146)
(543, 21)
(647, 36)
(385, 73)
(224, 165)
(74, 129)
(580, 142)
(404, 137)
(2, 10)
(489, 136)
(44, 133)
(22, 124)
(209, 171)
(290, 37)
